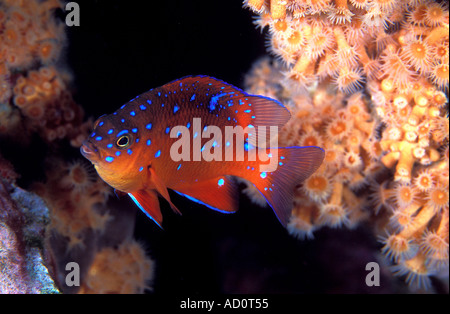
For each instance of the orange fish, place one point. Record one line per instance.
(172, 137)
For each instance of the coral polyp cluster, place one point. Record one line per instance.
(368, 82)
(123, 270)
(349, 42)
(74, 196)
(35, 99)
(33, 90)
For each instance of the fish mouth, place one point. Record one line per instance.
(89, 151)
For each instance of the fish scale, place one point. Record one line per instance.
(131, 148)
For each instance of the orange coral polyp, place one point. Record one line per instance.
(442, 52)
(11, 36)
(439, 99)
(34, 111)
(405, 195)
(317, 187)
(397, 246)
(350, 80)
(20, 101)
(433, 244)
(440, 75)
(418, 54)
(438, 198)
(333, 215)
(311, 139)
(295, 39)
(337, 129)
(417, 16)
(280, 25)
(435, 14)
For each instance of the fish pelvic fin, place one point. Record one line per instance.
(148, 202)
(295, 165)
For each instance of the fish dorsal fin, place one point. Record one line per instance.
(219, 194)
(148, 202)
(251, 111)
(162, 189)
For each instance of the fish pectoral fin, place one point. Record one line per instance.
(220, 194)
(148, 202)
(119, 194)
(162, 189)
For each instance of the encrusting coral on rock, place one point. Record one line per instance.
(368, 82)
(23, 220)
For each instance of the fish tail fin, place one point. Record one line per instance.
(295, 164)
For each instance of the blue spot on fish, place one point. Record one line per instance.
(148, 126)
(109, 145)
(214, 100)
(176, 108)
(221, 182)
(129, 152)
(132, 113)
(158, 153)
(140, 169)
(109, 159)
(263, 175)
(149, 102)
(167, 130)
(122, 133)
(118, 153)
(179, 166)
(192, 98)
(110, 131)
(98, 138)
(142, 107)
(134, 130)
(149, 142)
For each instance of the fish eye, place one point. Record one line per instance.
(124, 141)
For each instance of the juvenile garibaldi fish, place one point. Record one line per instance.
(177, 137)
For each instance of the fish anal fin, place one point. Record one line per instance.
(148, 202)
(219, 194)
